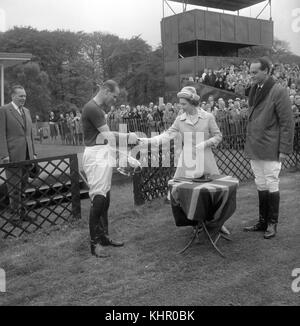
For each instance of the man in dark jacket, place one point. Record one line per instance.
(269, 141)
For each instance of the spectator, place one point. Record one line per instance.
(52, 125)
(240, 88)
(71, 127)
(296, 107)
(220, 83)
(62, 131)
(78, 129)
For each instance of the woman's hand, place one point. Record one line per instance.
(144, 141)
(201, 146)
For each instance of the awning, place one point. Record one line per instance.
(8, 60)
(231, 5)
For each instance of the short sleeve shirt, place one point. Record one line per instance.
(93, 117)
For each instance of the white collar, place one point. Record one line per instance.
(15, 106)
(201, 114)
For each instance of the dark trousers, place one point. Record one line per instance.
(16, 180)
(98, 221)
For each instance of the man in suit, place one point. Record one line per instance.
(269, 141)
(16, 144)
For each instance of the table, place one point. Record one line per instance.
(204, 205)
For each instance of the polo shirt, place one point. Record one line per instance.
(92, 118)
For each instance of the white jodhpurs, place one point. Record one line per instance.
(266, 175)
(98, 168)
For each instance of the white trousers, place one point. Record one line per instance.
(98, 168)
(266, 175)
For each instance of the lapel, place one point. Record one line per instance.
(254, 102)
(16, 115)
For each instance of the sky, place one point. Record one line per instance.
(127, 18)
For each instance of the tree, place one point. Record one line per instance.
(36, 84)
(146, 82)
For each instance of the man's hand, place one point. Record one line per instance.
(34, 157)
(132, 138)
(282, 157)
(5, 160)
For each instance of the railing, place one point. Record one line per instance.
(31, 202)
(152, 182)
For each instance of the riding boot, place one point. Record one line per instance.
(263, 197)
(274, 199)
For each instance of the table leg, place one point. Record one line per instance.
(216, 240)
(196, 232)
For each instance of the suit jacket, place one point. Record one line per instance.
(15, 136)
(270, 129)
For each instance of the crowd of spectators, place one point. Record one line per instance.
(237, 78)
(66, 126)
(148, 118)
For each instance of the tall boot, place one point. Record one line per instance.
(274, 199)
(263, 197)
(97, 232)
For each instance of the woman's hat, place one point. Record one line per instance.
(189, 93)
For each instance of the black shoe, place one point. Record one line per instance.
(98, 251)
(27, 218)
(271, 231)
(258, 227)
(115, 243)
(105, 241)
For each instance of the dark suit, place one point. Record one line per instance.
(16, 142)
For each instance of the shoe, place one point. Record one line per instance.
(115, 243)
(98, 251)
(106, 241)
(224, 230)
(258, 227)
(271, 231)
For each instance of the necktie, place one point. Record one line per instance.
(21, 110)
(257, 92)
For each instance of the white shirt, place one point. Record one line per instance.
(17, 108)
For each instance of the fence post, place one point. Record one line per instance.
(75, 187)
(137, 191)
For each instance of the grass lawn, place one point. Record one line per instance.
(54, 267)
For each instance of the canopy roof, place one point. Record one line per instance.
(232, 5)
(12, 59)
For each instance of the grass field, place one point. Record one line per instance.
(54, 266)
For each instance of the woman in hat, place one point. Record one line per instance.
(197, 130)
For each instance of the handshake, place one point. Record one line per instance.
(133, 139)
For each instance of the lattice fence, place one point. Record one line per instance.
(51, 197)
(153, 181)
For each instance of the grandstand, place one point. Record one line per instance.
(198, 39)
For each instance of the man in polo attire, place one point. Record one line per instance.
(269, 141)
(97, 163)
